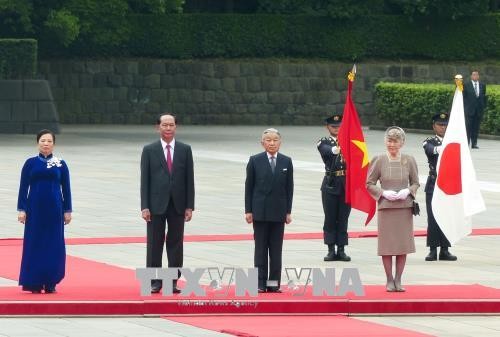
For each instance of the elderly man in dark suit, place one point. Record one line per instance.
(268, 205)
(474, 105)
(167, 196)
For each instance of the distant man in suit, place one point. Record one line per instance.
(474, 105)
(333, 192)
(268, 205)
(167, 196)
(432, 148)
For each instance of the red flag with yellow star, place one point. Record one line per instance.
(355, 153)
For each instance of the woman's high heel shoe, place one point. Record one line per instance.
(399, 287)
(33, 290)
(390, 287)
(50, 289)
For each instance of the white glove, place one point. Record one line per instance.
(438, 149)
(390, 195)
(403, 194)
(335, 150)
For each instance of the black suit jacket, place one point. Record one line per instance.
(269, 196)
(474, 106)
(159, 187)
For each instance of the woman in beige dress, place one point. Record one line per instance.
(398, 177)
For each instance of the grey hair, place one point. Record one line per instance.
(395, 132)
(270, 130)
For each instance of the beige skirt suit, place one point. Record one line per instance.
(395, 218)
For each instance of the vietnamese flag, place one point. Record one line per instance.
(456, 194)
(355, 153)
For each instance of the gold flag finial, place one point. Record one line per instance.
(459, 81)
(352, 74)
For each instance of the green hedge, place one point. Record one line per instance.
(313, 36)
(18, 58)
(412, 105)
(268, 35)
(198, 36)
(491, 121)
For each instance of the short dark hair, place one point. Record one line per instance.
(158, 120)
(44, 132)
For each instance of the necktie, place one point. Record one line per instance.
(476, 89)
(273, 163)
(169, 159)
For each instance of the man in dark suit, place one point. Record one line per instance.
(333, 193)
(432, 149)
(268, 205)
(167, 196)
(474, 105)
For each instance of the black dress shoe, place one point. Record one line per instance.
(176, 290)
(330, 257)
(261, 290)
(341, 255)
(274, 290)
(475, 147)
(445, 255)
(432, 256)
(155, 289)
(331, 254)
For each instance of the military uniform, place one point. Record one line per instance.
(333, 197)
(435, 237)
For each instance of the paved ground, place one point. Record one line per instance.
(104, 166)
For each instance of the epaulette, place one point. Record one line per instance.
(427, 139)
(432, 138)
(322, 140)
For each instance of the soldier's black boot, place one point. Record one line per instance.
(341, 255)
(331, 253)
(445, 255)
(432, 256)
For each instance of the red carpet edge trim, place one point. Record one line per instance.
(229, 237)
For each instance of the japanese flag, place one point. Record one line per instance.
(456, 194)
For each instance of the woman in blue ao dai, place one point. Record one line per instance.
(44, 206)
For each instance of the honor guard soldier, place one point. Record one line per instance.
(432, 148)
(333, 192)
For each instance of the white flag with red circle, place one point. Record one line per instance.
(456, 195)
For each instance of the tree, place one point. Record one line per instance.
(62, 27)
(101, 22)
(15, 18)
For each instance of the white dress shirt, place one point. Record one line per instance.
(172, 147)
(474, 85)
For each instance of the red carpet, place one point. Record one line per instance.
(227, 237)
(85, 280)
(94, 288)
(286, 326)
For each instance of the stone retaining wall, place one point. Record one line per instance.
(270, 92)
(27, 106)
